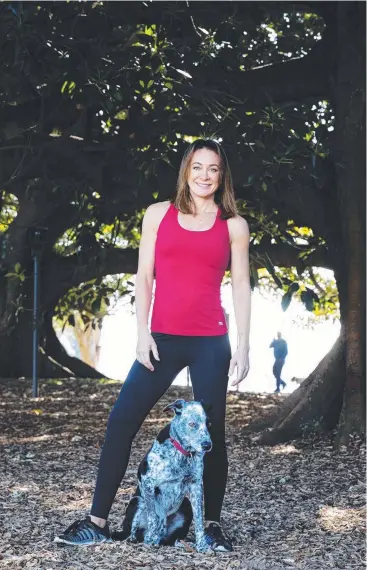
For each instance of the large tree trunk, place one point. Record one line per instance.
(16, 343)
(16, 354)
(16, 298)
(350, 151)
(334, 394)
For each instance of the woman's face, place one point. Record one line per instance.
(204, 173)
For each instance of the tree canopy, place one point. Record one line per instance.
(99, 99)
(99, 103)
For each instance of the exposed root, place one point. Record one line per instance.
(315, 405)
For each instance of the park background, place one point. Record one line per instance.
(98, 101)
(308, 341)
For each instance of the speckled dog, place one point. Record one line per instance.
(170, 490)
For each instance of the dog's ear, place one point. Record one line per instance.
(175, 406)
(207, 407)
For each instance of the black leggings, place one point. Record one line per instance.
(277, 370)
(208, 360)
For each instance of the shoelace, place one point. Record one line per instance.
(76, 526)
(72, 527)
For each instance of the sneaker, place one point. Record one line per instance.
(84, 533)
(216, 539)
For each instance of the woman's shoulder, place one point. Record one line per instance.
(238, 227)
(238, 224)
(156, 212)
(158, 208)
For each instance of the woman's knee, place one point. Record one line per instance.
(124, 425)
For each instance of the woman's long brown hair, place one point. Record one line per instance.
(224, 196)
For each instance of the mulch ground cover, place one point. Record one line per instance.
(298, 505)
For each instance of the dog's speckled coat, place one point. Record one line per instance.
(169, 480)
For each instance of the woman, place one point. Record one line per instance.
(187, 245)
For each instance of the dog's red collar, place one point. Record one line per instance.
(179, 447)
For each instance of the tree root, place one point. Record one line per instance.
(315, 405)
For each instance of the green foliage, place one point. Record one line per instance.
(8, 211)
(99, 104)
(315, 288)
(93, 300)
(287, 297)
(17, 273)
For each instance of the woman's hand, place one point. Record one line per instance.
(241, 360)
(146, 344)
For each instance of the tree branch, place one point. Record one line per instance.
(294, 80)
(282, 255)
(68, 272)
(63, 273)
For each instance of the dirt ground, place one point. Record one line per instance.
(293, 506)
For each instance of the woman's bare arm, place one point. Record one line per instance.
(144, 282)
(241, 291)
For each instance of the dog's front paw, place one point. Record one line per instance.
(202, 546)
(151, 540)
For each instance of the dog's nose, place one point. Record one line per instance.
(207, 445)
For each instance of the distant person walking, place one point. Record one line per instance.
(280, 352)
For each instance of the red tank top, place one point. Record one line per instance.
(189, 268)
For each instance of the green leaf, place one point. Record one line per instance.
(287, 297)
(264, 186)
(96, 305)
(150, 31)
(308, 298)
(155, 195)
(294, 287)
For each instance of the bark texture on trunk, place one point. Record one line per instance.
(349, 99)
(315, 405)
(54, 362)
(334, 394)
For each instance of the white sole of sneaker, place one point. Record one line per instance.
(59, 540)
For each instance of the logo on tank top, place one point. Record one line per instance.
(220, 323)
